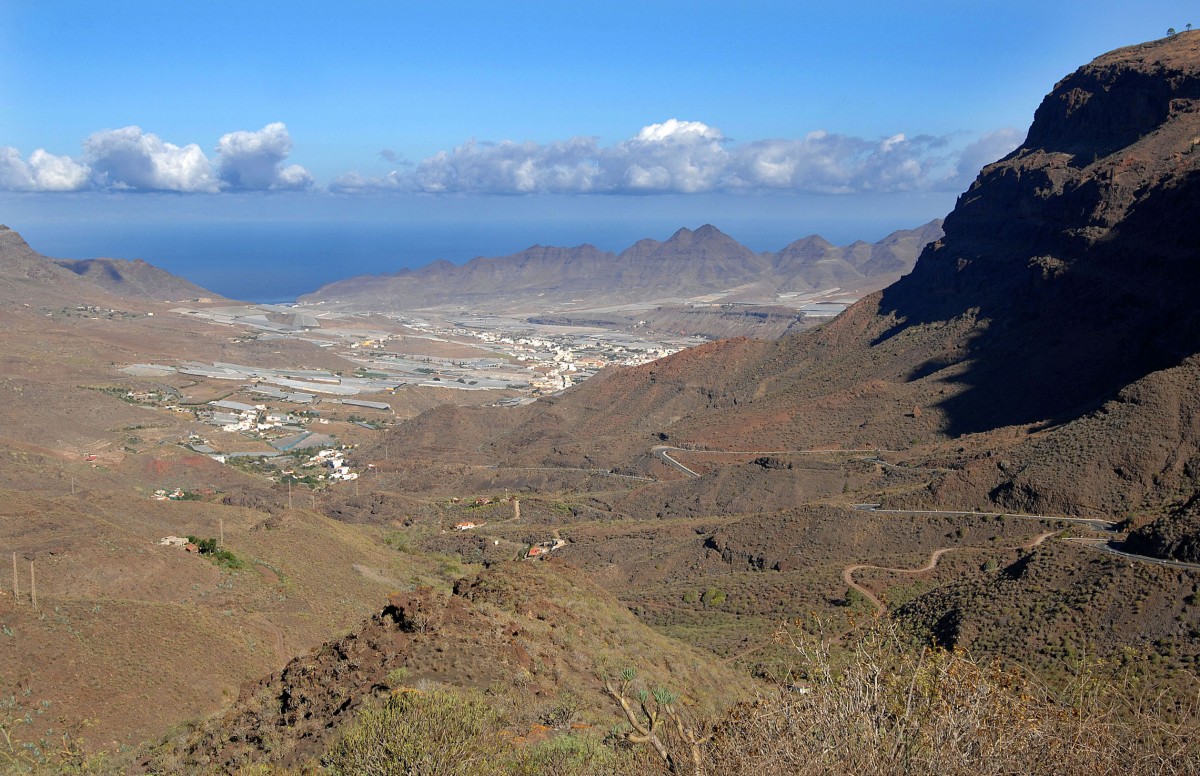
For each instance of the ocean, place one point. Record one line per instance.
(276, 261)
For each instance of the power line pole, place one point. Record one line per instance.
(16, 588)
(32, 585)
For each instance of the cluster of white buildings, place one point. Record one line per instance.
(560, 361)
(335, 460)
(235, 416)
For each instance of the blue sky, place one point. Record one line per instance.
(517, 122)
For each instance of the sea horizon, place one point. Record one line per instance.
(276, 262)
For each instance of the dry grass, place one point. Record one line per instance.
(890, 709)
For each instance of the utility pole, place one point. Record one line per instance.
(16, 588)
(221, 530)
(32, 585)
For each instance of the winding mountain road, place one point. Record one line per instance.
(1104, 545)
(1094, 523)
(881, 609)
(660, 452)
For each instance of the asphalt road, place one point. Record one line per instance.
(660, 452)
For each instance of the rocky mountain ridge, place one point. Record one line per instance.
(690, 263)
(137, 278)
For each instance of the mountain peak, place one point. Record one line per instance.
(704, 234)
(1118, 98)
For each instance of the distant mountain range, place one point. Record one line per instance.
(704, 262)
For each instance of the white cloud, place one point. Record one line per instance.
(129, 158)
(57, 173)
(253, 161)
(673, 156)
(984, 151)
(43, 172)
(682, 157)
(676, 130)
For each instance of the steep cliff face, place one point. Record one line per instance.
(1078, 248)
(1079, 252)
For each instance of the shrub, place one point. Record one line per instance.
(890, 708)
(435, 734)
(218, 555)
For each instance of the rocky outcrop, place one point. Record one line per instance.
(526, 628)
(1174, 536)
(1076, 252)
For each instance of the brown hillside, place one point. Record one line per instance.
(522, 628)
(1068, 271)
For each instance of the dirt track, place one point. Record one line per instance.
(880, 609)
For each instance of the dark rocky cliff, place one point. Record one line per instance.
(1079, 247)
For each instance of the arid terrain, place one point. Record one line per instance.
(971, 496)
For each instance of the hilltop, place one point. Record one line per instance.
(27, 276)
(136, 278)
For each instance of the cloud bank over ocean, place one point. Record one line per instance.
(671, 157)
(689, 157)
(129, 159)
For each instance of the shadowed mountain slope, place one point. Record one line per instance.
(1077, 248)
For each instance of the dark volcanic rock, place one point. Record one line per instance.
(1077, 248)
(1175, 536)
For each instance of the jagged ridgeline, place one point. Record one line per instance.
(691, 263)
